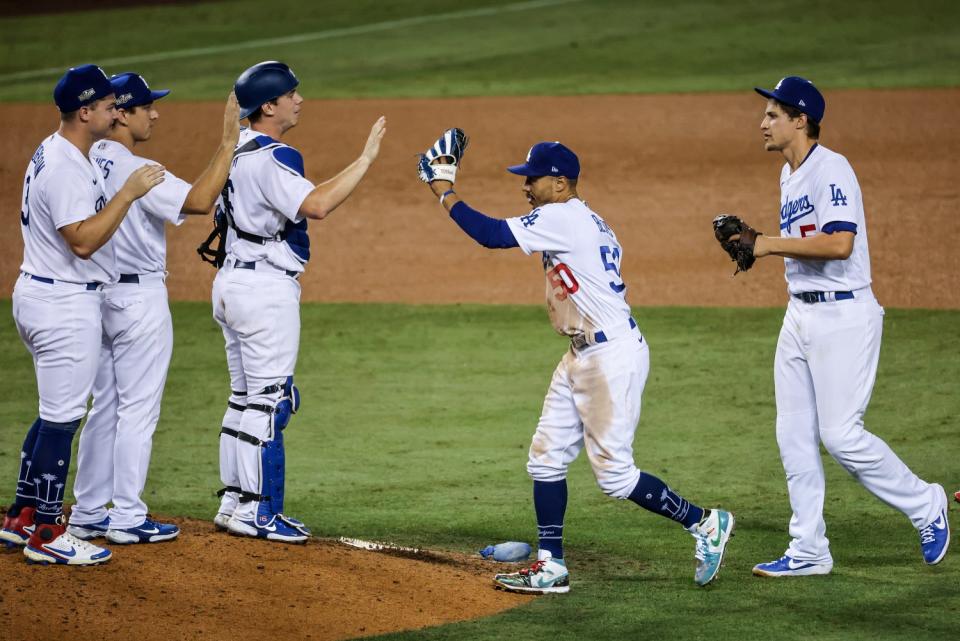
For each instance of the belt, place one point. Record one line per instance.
(822, 297)
(136, 279)
(581, 341)
(49, 281)
(253, 265)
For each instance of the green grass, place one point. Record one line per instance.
(415, 426)
(581, 47)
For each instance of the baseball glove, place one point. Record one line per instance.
(440, 162)
(740, 250)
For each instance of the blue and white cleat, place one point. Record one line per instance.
(711, 535)
(935, 536)
(548, 576)
(788, 566)
(278, 528)
(90, 531)
(53, 544)
(147, 532)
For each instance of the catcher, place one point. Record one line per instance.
(593, 403)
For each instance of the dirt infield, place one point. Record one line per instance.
(209, 585)
(658, 168)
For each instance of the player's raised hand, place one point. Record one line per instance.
(231, 121)
(143, 180)
(372, 148)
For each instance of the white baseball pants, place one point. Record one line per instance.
(593, 403)
(824, 371)
(116, 441)
(259, 311)
(60, 325)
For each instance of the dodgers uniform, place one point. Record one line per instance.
(256, 301)
(137, 342)
(56, 308)
(594, 398)
(826, 361)
(56, 301)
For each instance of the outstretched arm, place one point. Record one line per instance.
(204, 191)
(328, 195)
(492, 233)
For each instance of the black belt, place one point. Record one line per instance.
(821, 297)
(255, 238)
(579, 342)
(253, 265)
(130, 278)
(49, 281)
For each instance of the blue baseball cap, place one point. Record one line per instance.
(80, 86)
(548, 159)
(132, 90)
(800, 94)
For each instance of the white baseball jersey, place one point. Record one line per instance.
(265, 190)
(823, 193)
(826, 362)
(61, 187)
(581, 260)
(140, 242)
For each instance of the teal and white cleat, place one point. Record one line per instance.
(543, 577)
(711, 535)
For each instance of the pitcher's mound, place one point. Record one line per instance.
(210, 585)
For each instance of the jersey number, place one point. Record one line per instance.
(561, 278)
(25, 212)
(611, 262)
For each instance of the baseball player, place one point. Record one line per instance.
(256, 295)
(66, 220)
(115, 443)
(829, 346)
(593, 403)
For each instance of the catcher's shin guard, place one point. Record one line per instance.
(270, 495)
(229, 475)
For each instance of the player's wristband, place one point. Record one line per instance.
(444, 195)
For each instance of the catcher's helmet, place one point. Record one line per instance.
(262, 83)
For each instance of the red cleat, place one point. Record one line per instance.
(956, 495)
(17, 529)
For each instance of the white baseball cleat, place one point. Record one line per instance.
(711, 535)
(89, 531)
(53, 544)
(543, 577)
(278, 528)
(149, 531)
(220, 520)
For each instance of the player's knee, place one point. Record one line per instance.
(70, 426)
(546, 472)
(618, 482)
(236, 405)
(841, 440)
